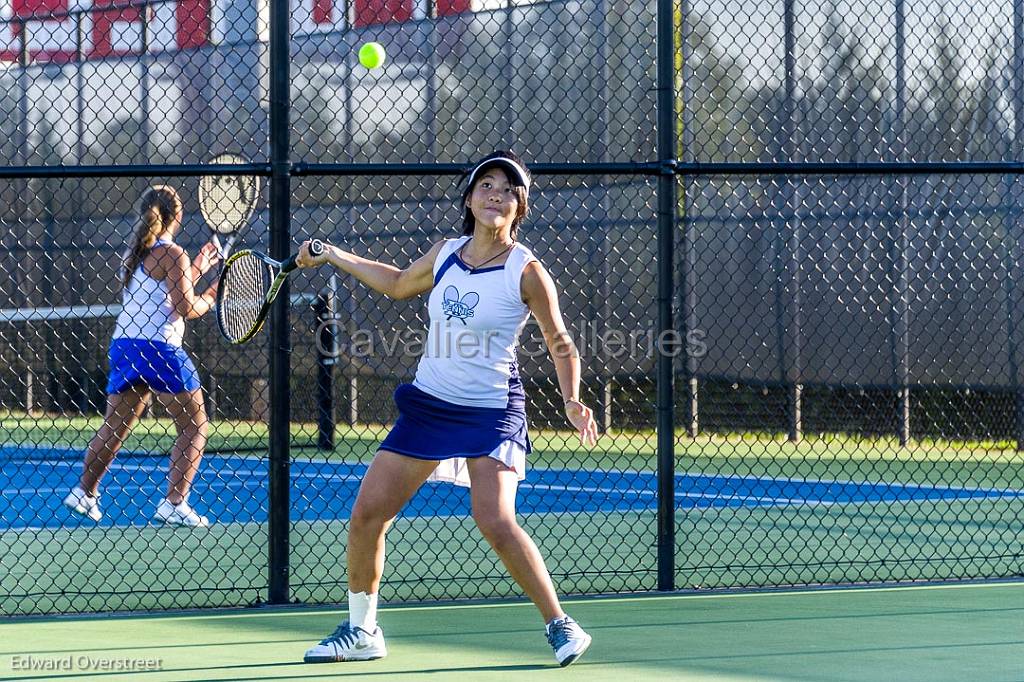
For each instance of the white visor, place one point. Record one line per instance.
(516, 173)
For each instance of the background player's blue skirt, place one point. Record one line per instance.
(161, 366)
(431, 428)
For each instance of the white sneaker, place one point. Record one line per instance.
(568, 640)
(179, 515)
(347, 643)
(83, 504)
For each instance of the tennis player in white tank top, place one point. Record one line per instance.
(463, 418)
(146, 356)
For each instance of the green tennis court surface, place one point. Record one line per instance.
(442, 557)
(955, 632)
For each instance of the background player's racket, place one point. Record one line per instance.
(247, 288)
(227, 202)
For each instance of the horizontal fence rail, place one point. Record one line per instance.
(671, 166)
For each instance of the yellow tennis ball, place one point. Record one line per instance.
(372, 55)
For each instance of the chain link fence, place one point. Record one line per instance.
(786, 239)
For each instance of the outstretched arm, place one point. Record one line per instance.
(387, 279)
(539, 294)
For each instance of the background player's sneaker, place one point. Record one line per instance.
(179, 515)
(82, 504)
(568, 640)
(347, 643)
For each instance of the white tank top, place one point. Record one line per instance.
(147, 313)
(476, 317)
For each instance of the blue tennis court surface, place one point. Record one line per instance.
(234, 490)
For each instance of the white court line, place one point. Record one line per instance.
(149, 485)
(728, 477)
(635, 472)
(345, 478)
(860, 485)
(229, 483)
(737, 477)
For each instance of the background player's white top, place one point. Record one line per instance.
(476, 317)
(147, 313)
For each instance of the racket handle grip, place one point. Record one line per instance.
(316, 248)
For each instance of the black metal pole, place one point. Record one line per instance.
(144, 132)
(24, 59)
(901, 306)
(793, 375)
(80, 96)
(602, 309)
(326, 357)
(80, 38)
(280, 368)
(687, 295)
(666, 265)
(1012, 227)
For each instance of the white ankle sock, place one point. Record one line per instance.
(362, 610)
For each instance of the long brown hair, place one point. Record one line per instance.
(522, 208)
(157, 209)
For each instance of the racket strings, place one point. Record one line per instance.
(244, 287)
(227, 201)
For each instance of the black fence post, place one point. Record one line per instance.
(901, 304)
(1013, 227)
(144, 87)
(280, 362)
(666, 265)
(793, 365)
(687, 291)
(326, 357)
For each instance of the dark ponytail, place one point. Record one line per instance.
(158, 208)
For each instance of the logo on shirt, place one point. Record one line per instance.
(454, 306)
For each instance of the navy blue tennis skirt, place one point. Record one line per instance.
(431, 428)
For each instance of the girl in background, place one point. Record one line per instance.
(146, 357)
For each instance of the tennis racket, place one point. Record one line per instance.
(227, 203)
(247, 287)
